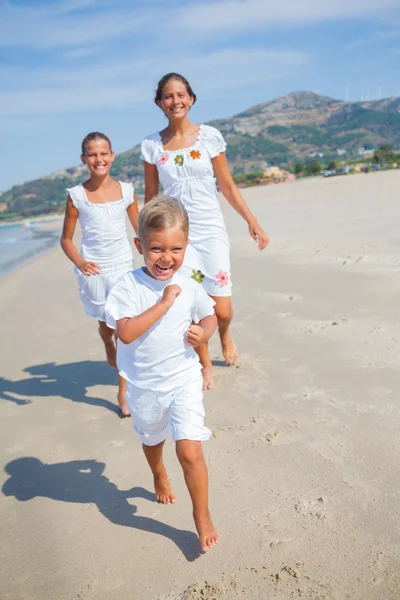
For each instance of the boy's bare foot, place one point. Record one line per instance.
(163, 489)
(208, 381)
(111, 353)
(208, 535)
(229, 349)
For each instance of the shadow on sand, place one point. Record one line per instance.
(69, 381)
(82, 481)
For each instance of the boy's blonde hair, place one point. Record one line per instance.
(162, 212)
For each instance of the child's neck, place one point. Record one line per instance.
(95, 183)
(179, 128)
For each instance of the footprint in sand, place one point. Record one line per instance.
(276, 437)
(204, 591)
(278, 296)
(317, 327)
(312, 508)
(237, 429)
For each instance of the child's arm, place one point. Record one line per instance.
(236, 200)
(151, 181)
(131, 328)
(71, 216)
(201, 333)
(133, 213)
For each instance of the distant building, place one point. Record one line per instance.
(275, 174)
(365, 153)
(341, 151)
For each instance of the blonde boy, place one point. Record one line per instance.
(160, 317)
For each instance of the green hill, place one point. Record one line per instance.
(280, 131)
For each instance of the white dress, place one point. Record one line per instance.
(105, 242)
(187, 175)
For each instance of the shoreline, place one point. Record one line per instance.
(21, 245)
(45, 218)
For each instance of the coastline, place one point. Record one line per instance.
(45, 218)
(22, 243)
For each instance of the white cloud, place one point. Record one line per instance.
(79, 53)
(47, 28)
(389, 33)
(359, 42)
(66, 100)
(112, 86)
(245, 15)
(78, 23)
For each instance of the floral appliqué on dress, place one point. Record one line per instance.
(222, 278)
(195, 154)
(178, 160)
(197, 276)
(163, 159)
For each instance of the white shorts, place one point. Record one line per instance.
(94, 289)
(157, 413)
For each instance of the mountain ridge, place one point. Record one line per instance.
(280, 131)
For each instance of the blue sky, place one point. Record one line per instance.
(68, 67)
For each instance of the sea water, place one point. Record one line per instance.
(20, 243)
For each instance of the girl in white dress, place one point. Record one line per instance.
(185, 158)
(101, 205)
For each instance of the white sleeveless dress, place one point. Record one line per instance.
(188, 176)
(105, 242)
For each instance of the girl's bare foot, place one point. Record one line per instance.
(208, 535)
(124, 410)
(163, 489)
(208, 381)
(229, 349)
(111, 353)
(123, 406)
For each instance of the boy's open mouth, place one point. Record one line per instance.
(163, 270)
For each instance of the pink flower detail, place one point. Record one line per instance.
(222, 278)
(163, 159)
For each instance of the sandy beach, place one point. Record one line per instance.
(305, 454)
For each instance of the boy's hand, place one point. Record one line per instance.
(89, 268)
(196, 336)
(170, 294)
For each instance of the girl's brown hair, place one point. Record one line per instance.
(94, 135)
(173, 77)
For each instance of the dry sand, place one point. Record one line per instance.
(305, 455)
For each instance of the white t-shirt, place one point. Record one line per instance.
(161, 356)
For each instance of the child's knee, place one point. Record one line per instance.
(189, 453)
(224, 315)
(105, 331)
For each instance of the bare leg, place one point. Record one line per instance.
(224, 312)
(121, 397)
(107, 335)
(190, 455)
(204, 356)
(162, 486)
